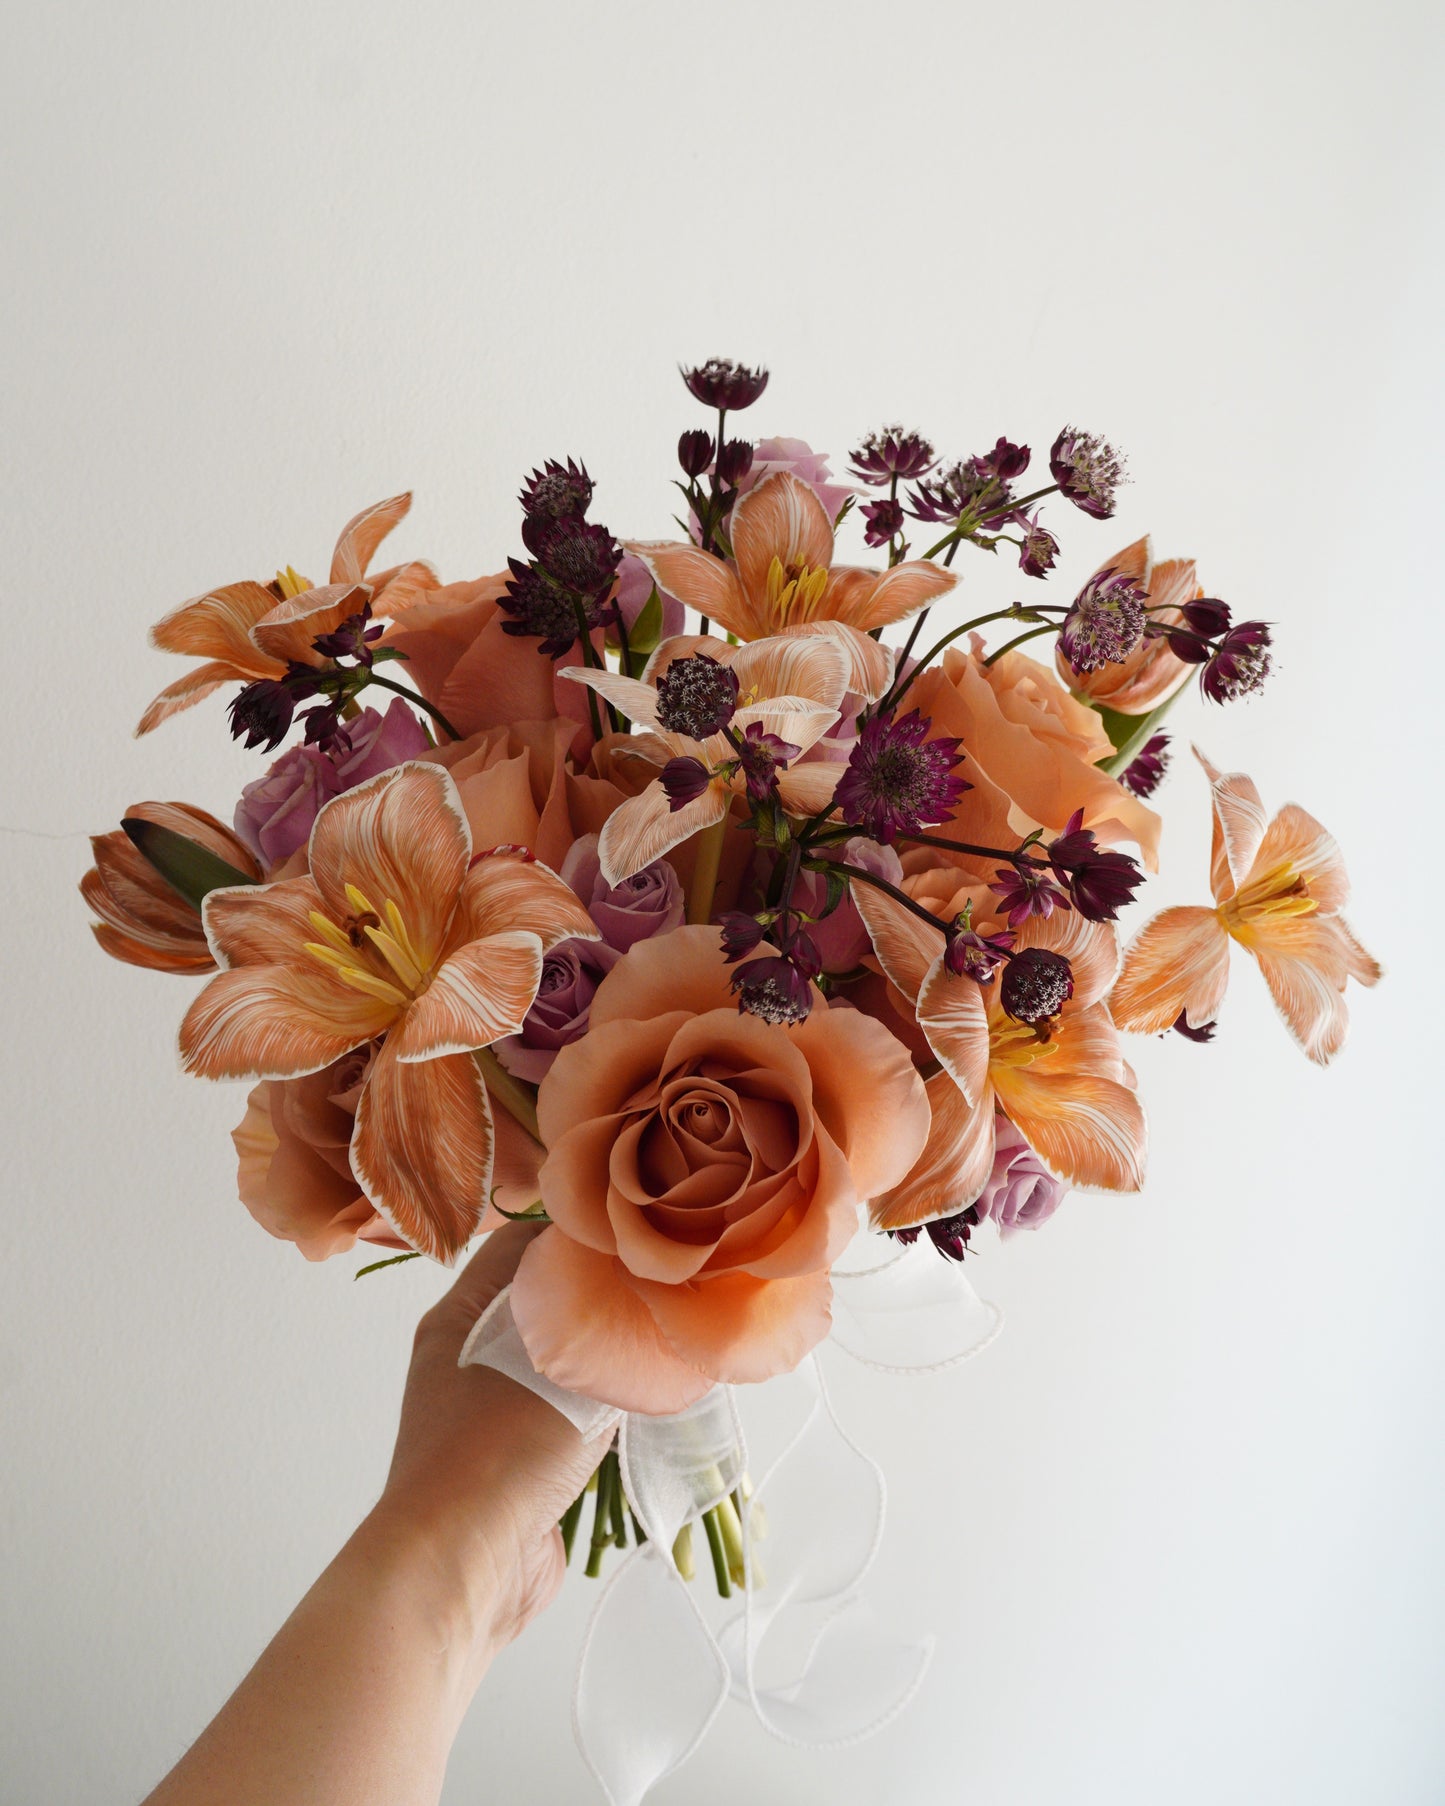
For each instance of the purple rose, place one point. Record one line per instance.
(571, 973)
(841, 938)
(1021, 1192)
(275, 814)
(648, 903)
(377, 742)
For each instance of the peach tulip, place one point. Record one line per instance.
(1151, 673)
(394, 932)
(247, 630)
(1279, 887)
(143, 920)
(1068, 1092)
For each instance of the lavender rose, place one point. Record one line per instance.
(649, 903)
(275, 814)
(1021, 1192)
(571, 973)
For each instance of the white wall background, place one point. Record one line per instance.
(1179, 1530)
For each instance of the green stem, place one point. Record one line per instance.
(510, 1093)
(420, 701)
(705, 871)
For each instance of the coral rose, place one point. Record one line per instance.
(1033, 751)
(704, 1170)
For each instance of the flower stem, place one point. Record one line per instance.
(514, 1097)
(420, 701)
(705, 871)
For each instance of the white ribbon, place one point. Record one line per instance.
(803, 1651)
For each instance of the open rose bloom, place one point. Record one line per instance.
(722, 905)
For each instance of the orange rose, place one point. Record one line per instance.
(704, 1170)
(1151, 672)
(1033, 753)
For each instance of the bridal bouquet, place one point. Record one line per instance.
(671, 904)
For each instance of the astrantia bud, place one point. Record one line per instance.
(734, 462)
(774, 989)
(694, 451)
(557, 492)
(684, 781)
(882, 520)
(696, 696)
(1240, 665)
(1141, 776)
(1088, 471)
(1104, 624)
(720, 383)
(1037, 985)
(892, 452)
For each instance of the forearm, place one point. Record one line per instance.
(357, 1699)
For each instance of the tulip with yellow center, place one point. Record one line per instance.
(396, 934)
(1279, 887)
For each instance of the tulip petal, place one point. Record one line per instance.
(588, 1330)
(274, 1022)
(781, 518)
(953, 1015)
(646, 826)
(401, 837)
(422, 1148)
(503, 892)
(480, 992)
(906, 947)
(699, 581)
(363, 533)
(1178, 964)
(955, 1163)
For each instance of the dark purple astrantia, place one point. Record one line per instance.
(720, 383)
(1099, 882)
(696, 696)
(898, 780)
(892, 452)
(1036, 985)
(1088, 471)
(1105, 622)
(1142, 775)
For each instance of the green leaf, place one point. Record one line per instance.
(191, 870)
(646, 630)
(394, 1260)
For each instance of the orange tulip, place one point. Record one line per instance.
(1069, 1095)
(1278, 889)
(781, 579)
(143, 921)
(790, 687)
(1151, 673)
(395, 932)
(245, 631)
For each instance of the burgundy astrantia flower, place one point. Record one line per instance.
(898, 780)
(694, 451)
(1240, 665)
(892, 452)
(557, 491)
(759, 757)
(1036, 985)
(778, 987)
(949, 1235)
(1142, 775)
(977, 956)
(720, 383)
(696, 696)
(1099, 882)
(1105, 622)
(882, 519)
(1026, 890)
(1194, 1031)
(1087, 470)
(1039, 548)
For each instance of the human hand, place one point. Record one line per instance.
(483, 1468)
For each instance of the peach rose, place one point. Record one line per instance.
(1151, 673)
(704, 1170)
(1033, 753)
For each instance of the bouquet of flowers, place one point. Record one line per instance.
(671, 904)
